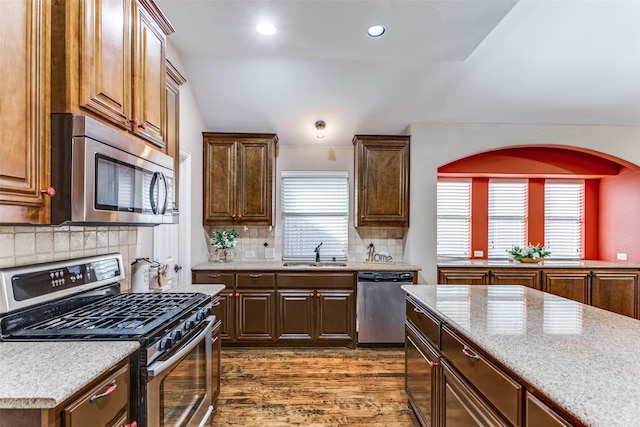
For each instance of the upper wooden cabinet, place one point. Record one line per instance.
(382, 180)
(238, 176)
(173, 82)
(108, 61)
(24, 111)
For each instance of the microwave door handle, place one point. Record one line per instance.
(166, 193)
(152, 200)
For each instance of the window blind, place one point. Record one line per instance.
(454, 218)
(315, 209)
(564, 218)
(507, 216)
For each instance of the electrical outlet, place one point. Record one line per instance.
(622, 257)
(249, 254)
(269, 253)
(478, 254)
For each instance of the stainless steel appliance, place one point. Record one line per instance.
(381, 306)
(102, 176)
(80, 299)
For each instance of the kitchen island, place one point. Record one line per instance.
(576, 360)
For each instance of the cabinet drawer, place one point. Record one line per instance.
(213, 277)
(317, 281)
(426, 323)
(256, 280)
(499, 389)
(540, 415)
(97, 408)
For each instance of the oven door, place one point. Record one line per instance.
(179, 389)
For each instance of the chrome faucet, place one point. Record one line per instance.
(317, 251)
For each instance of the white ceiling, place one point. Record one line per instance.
(508, 61)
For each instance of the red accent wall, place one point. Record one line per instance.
(480, 216)
(619, 216)
(591, 218)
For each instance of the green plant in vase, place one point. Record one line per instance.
(224, 241)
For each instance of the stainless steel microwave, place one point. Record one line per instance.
(103, 176)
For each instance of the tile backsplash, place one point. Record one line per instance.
(387, 240)
(23, 245)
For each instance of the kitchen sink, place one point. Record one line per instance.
(314, 264)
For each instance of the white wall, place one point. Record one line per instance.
(436, 144)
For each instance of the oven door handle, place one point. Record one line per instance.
(157, 368)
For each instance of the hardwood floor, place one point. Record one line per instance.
(313, 387)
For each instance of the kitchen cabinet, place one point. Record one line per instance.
(422, 376)
(24, 103)
(616, 290)
(108, 61)
(102, 403)
(173, 82)
(571, 284)
(222, 304)
(381, 180)
(316, 309)
(239, 172)
(541, 415)
(485, 276)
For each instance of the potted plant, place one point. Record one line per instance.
(530, 253)
(224, 241)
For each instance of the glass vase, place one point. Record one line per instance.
(225, 255)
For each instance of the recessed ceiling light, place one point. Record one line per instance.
(376, 30)
(266, 28)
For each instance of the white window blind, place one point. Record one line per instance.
(454, 218)
(315, 209)
(507, 216)
(564, 218)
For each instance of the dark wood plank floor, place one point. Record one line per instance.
(313, 387)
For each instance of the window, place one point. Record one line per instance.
(315, 209)
(563, 218)
(507, 216)
(454, 218)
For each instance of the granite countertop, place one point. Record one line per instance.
(548, 263)
(278, 266)
(202, 288)
(583, 358)
(44, 374)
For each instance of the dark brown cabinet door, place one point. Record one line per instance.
(255, 311)
(238, 178)
(172, 138)
(465, 276)
(529, 278)
(296, 314)
(571, 284)
(223, 309)
(421, 378)
(149, 73)
(24, 111)
(335, 315)
(615, 291)
(382, 180)
(541, 415)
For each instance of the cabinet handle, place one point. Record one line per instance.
(136, 122)
(133, 424)
(231, 295)
(433, 364)
(49, 191)
(233, 216)
(311, 294)
(362, 216)
(239, 215)
(255, 276)
(213, 276)
(237, 294)
(215, 304)
(109, 390)
(318, 294)
(417, 310)
(467, 352)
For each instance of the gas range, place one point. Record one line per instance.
(81, 299)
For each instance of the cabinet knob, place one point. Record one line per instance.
(237, 294)
(311, 294)
(433, 364)
(133, 424)
(213, 276)
(318, 294)
(362, 216)
(231, 295)
(49, 191)
(240, 216)
(233, 216)
(137, 122)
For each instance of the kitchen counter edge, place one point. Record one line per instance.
(278, 266)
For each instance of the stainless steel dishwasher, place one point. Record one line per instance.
(381, 306)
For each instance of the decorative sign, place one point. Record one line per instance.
(372, 256)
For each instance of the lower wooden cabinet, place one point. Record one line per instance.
(457, 384)
(616, 291)
(284, 309)
(485, 276)
(102, 403)
(422, 377)
(570, 284)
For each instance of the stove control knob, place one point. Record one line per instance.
(176, 335)
(165, 344)
(200, 316)
(189, 325)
